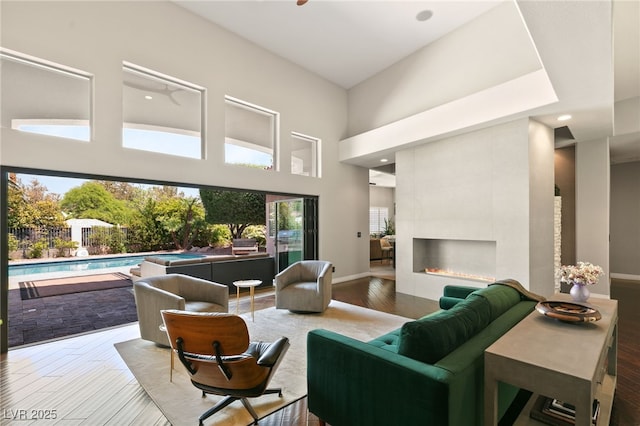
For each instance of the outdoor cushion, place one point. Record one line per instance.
(432, 337)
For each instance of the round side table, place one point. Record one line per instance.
(251, 284)
(164, 329)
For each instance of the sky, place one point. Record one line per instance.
(60, 185)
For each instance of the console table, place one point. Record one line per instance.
(573, 362)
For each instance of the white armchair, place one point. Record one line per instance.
(304, 286)
(175, 291)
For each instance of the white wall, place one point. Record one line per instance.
(541, 208)
(96, 37)
(625, 219)
(485, 185)
(592, 207)
(626, 116)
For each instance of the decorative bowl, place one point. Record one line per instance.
(568, 311)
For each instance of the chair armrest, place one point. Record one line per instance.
(447, 302)
(460, 292)
(285, 278)
(149, 302)
(453, 294)
(193, 288)
(148, 296)
(325, 281)
(272, 353)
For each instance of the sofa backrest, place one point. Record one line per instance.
(166, 262)
(431, 338)
(500, 298)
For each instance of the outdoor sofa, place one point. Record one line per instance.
(244, 246)
(220, 269)
(429, 371)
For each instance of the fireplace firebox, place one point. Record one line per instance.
(473, 260)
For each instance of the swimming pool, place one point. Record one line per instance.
(89, 264)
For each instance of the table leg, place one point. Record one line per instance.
(237, 300)
(251, 292)
(171, 366)
(490, 398)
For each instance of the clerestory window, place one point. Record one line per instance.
(305, 155)
(162, 114)
(42, 97)
(251, 134)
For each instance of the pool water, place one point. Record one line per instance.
(89, 264)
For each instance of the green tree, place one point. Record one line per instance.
(146, 233)
(183, 218)
(236, 209)
(159, 193)
(31, 206)
(46, 213)
(18, 208)
(122, 190)
(284, 216)
(91, 200)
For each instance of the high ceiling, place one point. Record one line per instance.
(349, 41)
(343, 41)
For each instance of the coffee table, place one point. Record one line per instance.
(251, 284)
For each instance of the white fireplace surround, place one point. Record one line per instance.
(474, 260)
(481, 203)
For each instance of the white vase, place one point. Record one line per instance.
(579, 292)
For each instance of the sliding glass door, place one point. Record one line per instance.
(293, 230)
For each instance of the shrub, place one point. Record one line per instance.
(116, 241)
(258, 232)
(12, 243)
(37, 248)
(214, 235)
(64, 247)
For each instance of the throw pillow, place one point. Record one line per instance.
(431, 338)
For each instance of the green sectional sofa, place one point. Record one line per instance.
(428, 372)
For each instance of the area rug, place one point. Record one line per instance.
(69, 285)
(182, 403)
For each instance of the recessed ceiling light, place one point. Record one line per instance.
(149, 97)
(564, 117)
(424, 15)
(383, 160)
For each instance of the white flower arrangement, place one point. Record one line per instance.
(584, 273)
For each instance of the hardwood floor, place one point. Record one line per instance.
(83, 380)
(626, 404)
